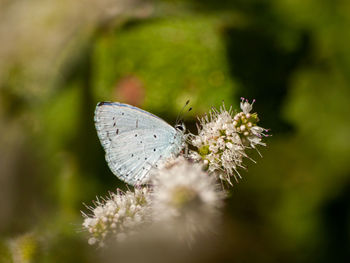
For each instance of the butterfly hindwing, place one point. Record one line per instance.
(130, 157)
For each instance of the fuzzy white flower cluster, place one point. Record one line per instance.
(118, 216)
(223, 138)
(183, 201)
(185, 198)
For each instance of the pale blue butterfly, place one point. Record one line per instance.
(135, 141)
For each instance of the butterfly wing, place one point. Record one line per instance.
(134, 140)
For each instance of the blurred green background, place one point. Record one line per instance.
(59, 58)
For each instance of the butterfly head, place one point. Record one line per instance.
(180, 127)
(181, 137)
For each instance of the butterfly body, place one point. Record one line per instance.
(135, 141)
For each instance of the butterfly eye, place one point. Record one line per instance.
(180, 127)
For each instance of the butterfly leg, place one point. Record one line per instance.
(186, 151)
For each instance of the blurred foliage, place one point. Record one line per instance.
(165, 55)
(291, 56)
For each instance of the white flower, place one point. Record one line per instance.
(246, 125)
(245, 106)
(223, 138)
(117, 215)
(185, 199)
(219, 144)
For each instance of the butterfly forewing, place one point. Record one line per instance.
(134, 140)
(113, 118)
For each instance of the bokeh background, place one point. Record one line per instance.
(59, 58)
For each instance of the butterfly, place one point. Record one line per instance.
(135, 141)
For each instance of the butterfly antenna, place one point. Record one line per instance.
(179, 116)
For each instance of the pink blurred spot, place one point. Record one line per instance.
(130, 89)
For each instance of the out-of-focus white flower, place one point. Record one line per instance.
(185, 199)
(223, 138)
(117, 216)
